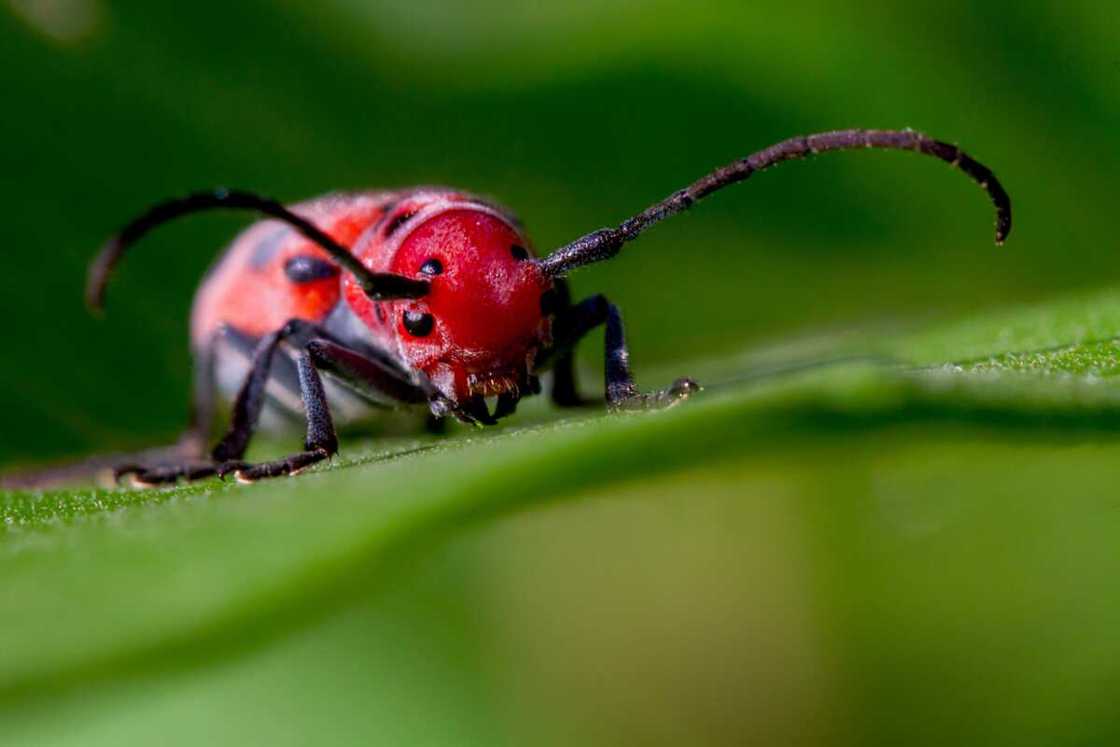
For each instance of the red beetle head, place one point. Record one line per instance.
(478, 330)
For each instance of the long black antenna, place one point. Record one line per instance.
(606, 242)
(377, 285)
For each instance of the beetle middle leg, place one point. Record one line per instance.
(622, 392)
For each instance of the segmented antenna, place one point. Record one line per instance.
(606, 242)
(377, 285)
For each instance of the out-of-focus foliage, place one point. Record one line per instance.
(872, 528)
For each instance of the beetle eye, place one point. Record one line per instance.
(519, 252)
(418, 323)
(432, 267)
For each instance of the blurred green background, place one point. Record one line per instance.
(756, 601)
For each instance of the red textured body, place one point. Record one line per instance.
(484, 307)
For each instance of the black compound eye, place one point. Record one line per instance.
(418, 323)
(432, 267)
(519, 252)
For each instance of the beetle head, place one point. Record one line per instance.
(478, 330)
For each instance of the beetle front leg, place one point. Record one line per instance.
(226, 457)
(321, 441)
(621, 391)
(366, 374)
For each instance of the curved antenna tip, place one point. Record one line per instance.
(1003, 226)
(97, 277)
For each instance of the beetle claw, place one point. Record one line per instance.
(249, 473)
(477, 412)
(677, 392)
(138, 483)
(226, 468)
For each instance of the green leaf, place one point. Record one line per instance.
(98, 584)
(199, 576)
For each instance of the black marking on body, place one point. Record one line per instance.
(519, 252)
(305, 269)
(418, 323)
(267, 248)
(386, 210)
(398, 220)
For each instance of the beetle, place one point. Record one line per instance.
(429, 297)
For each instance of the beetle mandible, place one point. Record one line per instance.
(428, 296)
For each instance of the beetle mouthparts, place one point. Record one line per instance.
(490, 384)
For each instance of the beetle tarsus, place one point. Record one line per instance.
(140, 476)
(289, 465)
(622, 393)
(679, 391)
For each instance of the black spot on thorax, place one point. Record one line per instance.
(398, 220)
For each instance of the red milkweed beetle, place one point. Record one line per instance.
(424, 296)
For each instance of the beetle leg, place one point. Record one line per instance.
(366, 375)
(236, 351)
(622, 392)
(321, 442)
(565, 391)
(299, 333)
(146, 477)
(249, 402)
